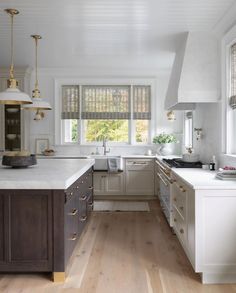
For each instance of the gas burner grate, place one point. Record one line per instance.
(178, 163)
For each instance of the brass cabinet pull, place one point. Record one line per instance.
(73, 238)
(181, 231)
(164, 182)
(73, 212)
(83, 198)
(83, 219)
(181, 188)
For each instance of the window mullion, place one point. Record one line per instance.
(131, 122)
(79, 127)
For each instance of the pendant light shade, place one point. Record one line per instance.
(38, 104)
(12, 95)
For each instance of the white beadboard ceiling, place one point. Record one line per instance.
(92, 32)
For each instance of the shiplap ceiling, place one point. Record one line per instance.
(78, 30)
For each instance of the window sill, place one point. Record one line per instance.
(73, 144)
(230, 156)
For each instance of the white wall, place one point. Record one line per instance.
(47, 77)
(211, 117)
(208, 117)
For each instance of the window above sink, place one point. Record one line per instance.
(121, 113)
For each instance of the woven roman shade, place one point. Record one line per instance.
(141, 102)
(105, 102)
(70, 102)
(232, 100)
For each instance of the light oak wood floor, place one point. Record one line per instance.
(126, 252)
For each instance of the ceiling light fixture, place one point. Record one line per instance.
(38, 103)
(12, 95)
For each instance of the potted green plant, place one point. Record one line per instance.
(166, 142)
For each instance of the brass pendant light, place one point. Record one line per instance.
(12, 95)
(38, 104)
(171, 116)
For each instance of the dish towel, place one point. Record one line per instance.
(112, 165)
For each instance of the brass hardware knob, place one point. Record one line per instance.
(83, 219)
(181, 188)
(73, 213)
(73, 238)
(181, 231)
(83, 198)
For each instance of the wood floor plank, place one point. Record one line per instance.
(122, 252)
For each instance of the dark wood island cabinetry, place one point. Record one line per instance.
(39, 229)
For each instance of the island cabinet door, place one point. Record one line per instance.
(2, 230)
(28, 226)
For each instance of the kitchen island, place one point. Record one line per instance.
(43, 211)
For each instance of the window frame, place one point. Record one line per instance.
(184, 128)
(227, 113)
(59, 127)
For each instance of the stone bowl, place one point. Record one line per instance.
(19, 161)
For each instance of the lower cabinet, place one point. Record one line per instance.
(26, 231)
(39, 229)
(139, 177)
(183, 215)
(2, 236)
(108, 184)
(136, 180)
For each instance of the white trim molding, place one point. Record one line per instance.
(227, 41)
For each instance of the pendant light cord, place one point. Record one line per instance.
(12, 48)
(36, 64)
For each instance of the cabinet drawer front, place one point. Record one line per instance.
(179, 226)
(179, 198)
(140, 164)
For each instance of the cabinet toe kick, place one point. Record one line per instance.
(58, 277)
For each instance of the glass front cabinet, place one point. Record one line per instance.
(13, 130)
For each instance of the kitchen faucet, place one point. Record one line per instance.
(104, 144)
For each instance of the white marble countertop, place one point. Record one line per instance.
(203, 179)
(47, 174)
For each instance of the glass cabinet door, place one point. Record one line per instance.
(12, 127)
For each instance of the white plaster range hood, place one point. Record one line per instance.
(195, 76)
